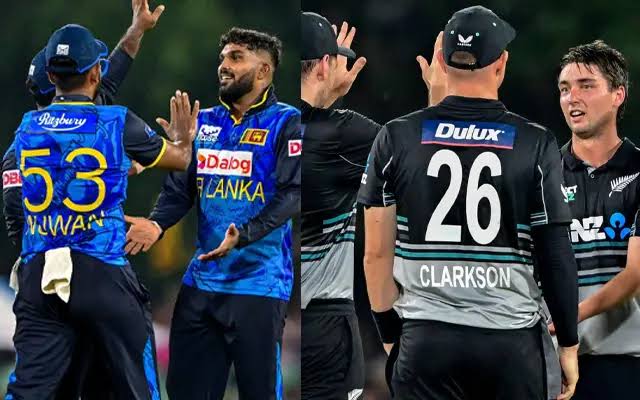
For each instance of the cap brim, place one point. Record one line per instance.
(104, 67)
(343, 51)
(102, 48)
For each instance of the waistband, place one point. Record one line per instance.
(330, 306)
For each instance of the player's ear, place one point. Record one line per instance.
(93, 76)
(324, 68)
(501, 67)
(265, 71)
(619, 95)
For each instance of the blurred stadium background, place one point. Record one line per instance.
(390, 34)
(180, 53)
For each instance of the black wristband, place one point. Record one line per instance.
(389, 325)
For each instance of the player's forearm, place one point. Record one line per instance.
(176, 198)
(130, 42)
(559, 278)
(616, 291)
(378, 271)
(284, 205)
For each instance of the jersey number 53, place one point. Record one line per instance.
(93, 176)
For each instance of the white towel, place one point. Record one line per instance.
(13, 278)
(56, 275)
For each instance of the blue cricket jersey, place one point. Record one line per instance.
(245, 172)
(73, 159)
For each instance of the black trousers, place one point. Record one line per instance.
(441, 361)
(107, 304)
(332, 357)
(210, 331)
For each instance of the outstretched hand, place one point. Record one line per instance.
(231, 238)
(432, 74)
(345, 77)
(143, 18)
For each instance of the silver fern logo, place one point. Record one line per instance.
(618, 184)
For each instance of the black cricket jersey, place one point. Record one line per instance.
(336, 145)
(469, 180)
(604, 204)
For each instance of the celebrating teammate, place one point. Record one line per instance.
(74, 279)
(602, 191)
(468, 207)
(245, 179)
(86, 373)
(336, 146)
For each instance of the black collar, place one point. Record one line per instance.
(266, 99)
(72, 98)
(472, 103)
(622, 156)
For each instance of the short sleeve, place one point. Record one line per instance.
(141, 143)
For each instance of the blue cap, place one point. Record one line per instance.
(38, 75)
(73, 49)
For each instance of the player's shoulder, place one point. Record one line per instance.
(633, 152)
(526, 126)
(353, 118)
(212, 110)
(407, 123)
(285, 109)
(114, 108)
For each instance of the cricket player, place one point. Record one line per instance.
(453, 213)
(602, 190)
(336, 145)
(96, 384)
(73, 158)
(244, 179)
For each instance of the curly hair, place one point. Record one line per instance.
(254, 40)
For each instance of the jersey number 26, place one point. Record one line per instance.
(439, 232)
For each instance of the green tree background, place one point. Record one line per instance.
(180, 53)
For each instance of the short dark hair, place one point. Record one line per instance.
(69, 82)
(254, 40)
(306, 66)
(609, 61)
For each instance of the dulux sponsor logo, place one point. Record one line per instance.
(447, 130)
(60, 123)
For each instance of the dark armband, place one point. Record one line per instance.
(389, 325)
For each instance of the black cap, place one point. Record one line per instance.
(318, 38)
(476, 30)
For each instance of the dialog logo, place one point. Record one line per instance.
(295, 147)
(225, 162)
(11, 178)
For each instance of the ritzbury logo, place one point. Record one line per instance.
(62, 121)
(468, 134)
(225, 162)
